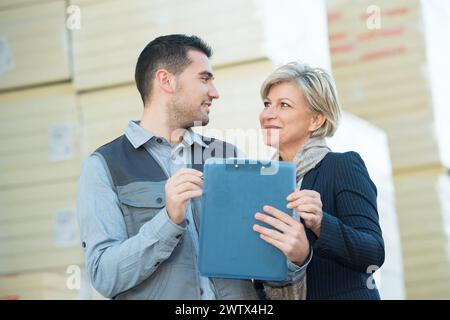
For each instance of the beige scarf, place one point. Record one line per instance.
(312, 152)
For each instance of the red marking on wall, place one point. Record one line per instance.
(381, 33)
(389, 12)
(379, 54)
(397, 11)
(342, 48)
(337, 36)
(334, 16)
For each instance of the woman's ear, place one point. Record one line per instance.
(165, 80)
(317, 121)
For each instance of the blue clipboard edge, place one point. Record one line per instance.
(232, 163)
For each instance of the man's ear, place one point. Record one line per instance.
(165, 80)
(317, 121)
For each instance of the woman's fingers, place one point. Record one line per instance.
(278, 244)
(304, 200)
(270, 233)
(312, 221)
(287, 219)
(308, 205)
(302, 193)
(276, 223)
(309, 193)
(293, 242)
(294, 195)
(309, 208)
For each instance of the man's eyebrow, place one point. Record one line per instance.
(206, 73)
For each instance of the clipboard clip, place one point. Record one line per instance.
(237, 163)
(265, 167)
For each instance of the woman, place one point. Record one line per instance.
(336, 198)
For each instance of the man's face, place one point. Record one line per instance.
(195, 92)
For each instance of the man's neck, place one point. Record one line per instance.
(158, 124)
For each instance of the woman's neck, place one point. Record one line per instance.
(288, 152)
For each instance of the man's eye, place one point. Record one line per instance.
(205, 79)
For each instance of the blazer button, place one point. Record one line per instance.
(83, 244)
(159, 200)
(159, 140)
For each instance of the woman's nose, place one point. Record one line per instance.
(268, 113)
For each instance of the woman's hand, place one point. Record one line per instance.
(308, 205)
(288, 236)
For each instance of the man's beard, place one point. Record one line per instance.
(186, 116)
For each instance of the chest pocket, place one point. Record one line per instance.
(140, 202)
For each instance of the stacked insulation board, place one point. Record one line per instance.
(380, 60)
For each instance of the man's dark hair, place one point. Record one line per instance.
(168, 52)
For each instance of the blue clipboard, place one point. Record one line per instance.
(233, 191)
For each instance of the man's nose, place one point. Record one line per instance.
(213, 93)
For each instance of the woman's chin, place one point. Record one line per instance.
(271, 138)
(271, 142)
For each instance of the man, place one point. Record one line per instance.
(138, 197)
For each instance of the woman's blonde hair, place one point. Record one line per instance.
(317, 87)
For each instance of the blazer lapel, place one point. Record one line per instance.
(309, 180)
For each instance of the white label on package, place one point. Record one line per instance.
(60, 142)
(6, 58)
(65, 228)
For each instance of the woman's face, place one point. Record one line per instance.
(286, 120)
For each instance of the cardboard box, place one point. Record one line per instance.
(39, 228)
(422, 204)
(114, 33)
(39, 138)
(55, 284)
(37, 51)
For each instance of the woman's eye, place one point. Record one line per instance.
(266, 104)
(285, 105)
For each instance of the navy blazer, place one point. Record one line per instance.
(350, 240)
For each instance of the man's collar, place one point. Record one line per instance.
(191, 137)
(139, 136)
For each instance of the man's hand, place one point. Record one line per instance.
(184, 185)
